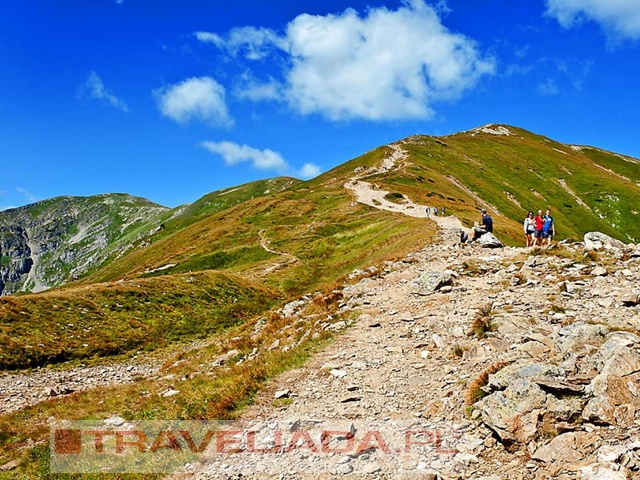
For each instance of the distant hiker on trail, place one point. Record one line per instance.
(485, 227)
(529, 227)
(435, 211)
(428, 212)
(442, 211)
(539, 224)
(548, 228)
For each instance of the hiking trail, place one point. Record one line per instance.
(375, 197)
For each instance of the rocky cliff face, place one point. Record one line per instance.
(51, 242)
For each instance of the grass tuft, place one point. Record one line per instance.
(475, 391)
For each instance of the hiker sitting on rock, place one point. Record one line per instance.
(485, 227)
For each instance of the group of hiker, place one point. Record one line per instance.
(539, 229)
(435, 211)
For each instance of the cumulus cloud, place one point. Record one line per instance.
(619, 18)
(195, 99)
(233, 154)
(383, 65)
(309, 170)
(94, 89)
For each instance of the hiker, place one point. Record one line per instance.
(442, 211)
(548, 228)
(428, 212)
(539, 224)
(485, 227)
(529, 227)
(435, 211)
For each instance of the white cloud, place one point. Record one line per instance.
(254, 90)
(385, 65)
(253, 43)
(26, 194)
(233, 154)
(548, 87)
(94, 89)
(309, 170)
(618, 18)
(195, 98)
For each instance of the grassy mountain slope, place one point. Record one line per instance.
(317, 224)
(220, 200)
(109, 319)
(314, 228)
(586, 188)
(52, 241)
(298, 237)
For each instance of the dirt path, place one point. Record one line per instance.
(393, 367)
(290, 259)
(373, 196)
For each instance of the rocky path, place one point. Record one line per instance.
(408, 359)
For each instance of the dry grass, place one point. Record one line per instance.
(483, 321)
(207, 391)
(475, 392)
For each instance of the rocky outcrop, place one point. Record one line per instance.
(51, 242)
(600, 241)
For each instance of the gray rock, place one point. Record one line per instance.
(566, 449)
(529, 371)
(600, 241)
(284, 393)
(599, 271)
(430, 282)
(513, 414)
(489, 240)
(631, 299)
(574, 337)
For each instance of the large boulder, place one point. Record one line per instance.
(489, 240)
(513, 413)
(614, 390)
(600, 241)
(430, 282)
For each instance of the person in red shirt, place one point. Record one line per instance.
(539, 225)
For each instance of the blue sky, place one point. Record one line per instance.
(171, 99)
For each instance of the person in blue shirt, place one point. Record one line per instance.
(548, 228)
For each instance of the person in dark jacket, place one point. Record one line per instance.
(485, 227)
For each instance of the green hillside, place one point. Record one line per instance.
(218, 268)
